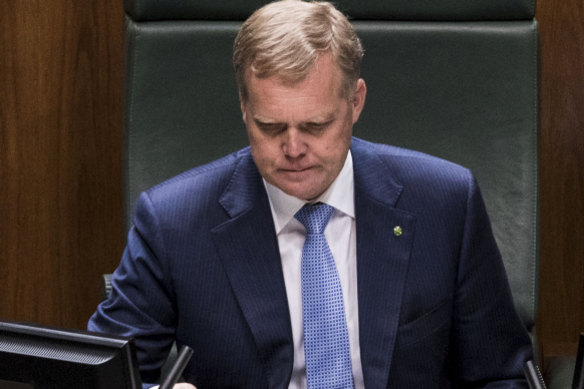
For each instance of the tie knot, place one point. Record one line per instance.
(314, 217)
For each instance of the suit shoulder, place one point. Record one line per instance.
(426, 184)
(209, 178)
(408, 165)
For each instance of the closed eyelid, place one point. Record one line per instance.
(312, 126)
(270, 128)
(317, 125)
(320, 124)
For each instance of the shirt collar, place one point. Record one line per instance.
(340, 195)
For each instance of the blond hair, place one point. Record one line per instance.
(285, 38)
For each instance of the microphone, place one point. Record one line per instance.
(533, 375)
(184, 355)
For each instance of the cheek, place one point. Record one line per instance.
(337, 146)
(255, 141)
(263, 150)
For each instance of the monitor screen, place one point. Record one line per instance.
(578, 381)
(38, 357)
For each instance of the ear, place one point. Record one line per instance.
(358, 101)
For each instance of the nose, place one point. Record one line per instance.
(293, 144)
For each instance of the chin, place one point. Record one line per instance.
(301, 189)
(303, 194)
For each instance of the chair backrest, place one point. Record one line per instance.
(453, 78)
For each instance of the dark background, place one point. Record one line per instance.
(61, 215)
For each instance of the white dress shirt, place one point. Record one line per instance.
(341, 237)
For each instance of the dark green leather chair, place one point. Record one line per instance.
(454, 78)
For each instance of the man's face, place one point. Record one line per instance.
(300, 134)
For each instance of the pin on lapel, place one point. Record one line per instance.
(397, 231)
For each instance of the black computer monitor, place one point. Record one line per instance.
(37, 357)
(578, 381)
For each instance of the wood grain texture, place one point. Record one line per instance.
(61, 137)
(561, 304)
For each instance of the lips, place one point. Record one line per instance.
(297, 170)
(298, 173)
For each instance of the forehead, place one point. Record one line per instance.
(317, 94)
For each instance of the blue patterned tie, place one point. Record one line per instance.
(326, 339)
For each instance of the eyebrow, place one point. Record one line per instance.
(266, 121)
(260, 120)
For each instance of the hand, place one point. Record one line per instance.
(183, 386)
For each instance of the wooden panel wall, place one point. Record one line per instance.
(60, 161)
(61, 121)
(561, 174)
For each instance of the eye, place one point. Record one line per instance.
(317, 127)
(271, 128)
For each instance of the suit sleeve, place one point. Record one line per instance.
(489, 342)
(141, 303)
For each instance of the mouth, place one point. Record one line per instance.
(296, 170)
(297, 173)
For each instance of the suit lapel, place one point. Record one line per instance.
(382, 261)
(247, 246)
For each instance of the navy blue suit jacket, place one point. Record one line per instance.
(202, 266)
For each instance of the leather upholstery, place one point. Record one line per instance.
(456, 78)
(466, 92)
(182, 107)
(357, 9)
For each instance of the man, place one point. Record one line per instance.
(216, 257)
